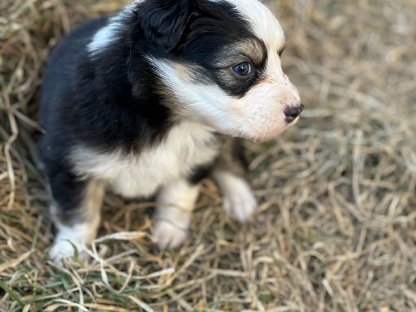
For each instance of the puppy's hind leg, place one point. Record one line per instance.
(230, 170)
(76, 214)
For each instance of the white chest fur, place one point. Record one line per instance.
(185, 147)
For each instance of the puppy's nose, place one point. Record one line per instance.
(293, 112)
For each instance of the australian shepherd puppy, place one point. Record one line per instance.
(146, 103)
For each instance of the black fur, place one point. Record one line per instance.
(200, 173)
(163, 22)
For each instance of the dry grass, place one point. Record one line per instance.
(336, 230)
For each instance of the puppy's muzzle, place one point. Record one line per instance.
(293, 112)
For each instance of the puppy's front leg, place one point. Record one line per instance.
(230, 170)
(175, 203)
(76, 214)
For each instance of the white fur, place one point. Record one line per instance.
(184, 148)
(175, 203)
(109, 33)
(104, 36)
(238, 198)
(70, 240)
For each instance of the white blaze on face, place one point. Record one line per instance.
(264, 24)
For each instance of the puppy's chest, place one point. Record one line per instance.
(183, 150)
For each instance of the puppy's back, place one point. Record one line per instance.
(60, 72)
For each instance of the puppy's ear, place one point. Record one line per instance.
(163, 21)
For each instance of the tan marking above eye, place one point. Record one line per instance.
(254, 50)
(247, 50)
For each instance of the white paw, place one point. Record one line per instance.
(71, 241)
(240, 206)
(65, 250)
(238, 198)
(169, 235)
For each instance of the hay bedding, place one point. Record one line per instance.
(336, 229)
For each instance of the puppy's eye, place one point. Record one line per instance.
(243, 69)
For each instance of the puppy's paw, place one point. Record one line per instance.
(239, 201)
(240, 206)
(167, 234)
(65, 250)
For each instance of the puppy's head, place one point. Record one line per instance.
(220, 64)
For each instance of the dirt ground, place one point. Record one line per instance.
(336, 228)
